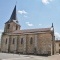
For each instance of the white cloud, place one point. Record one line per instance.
(57, 35)
(29, 24)
(22, 12)
(46, 1)
(40, 24)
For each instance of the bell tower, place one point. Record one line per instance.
(12, 24)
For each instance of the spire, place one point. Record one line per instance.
(13, 16)
(52, 24)
(52, 28)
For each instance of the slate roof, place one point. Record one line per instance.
(13, 16)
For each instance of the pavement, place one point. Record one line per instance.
(8, 56)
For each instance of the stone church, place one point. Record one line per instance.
(29, 41)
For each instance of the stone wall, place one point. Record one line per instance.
(44, 43)
(13, 46)
(30, 47)
(12, 27)
(41, 43)
(57, 46)
(4, 45)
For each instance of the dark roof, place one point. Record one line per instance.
(32, 30)
(13, 16)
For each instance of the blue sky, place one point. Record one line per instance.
(32, 13)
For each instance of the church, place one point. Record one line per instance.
(39, 41)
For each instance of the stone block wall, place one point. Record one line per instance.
(41, 43)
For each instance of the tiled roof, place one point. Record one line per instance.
(32, 30)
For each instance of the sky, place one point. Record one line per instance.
(32, 14)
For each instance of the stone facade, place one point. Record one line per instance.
(29, 41)
(57, 43)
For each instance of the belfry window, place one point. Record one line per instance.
(13, 40)
(6, 41)
(31, 40)
(21, 40)
(16, 27)
(8, 26)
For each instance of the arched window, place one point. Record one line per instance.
(16, 27)
(31, 40)
(6, 41)
(8, 26)
(21, 40)
(13, 40)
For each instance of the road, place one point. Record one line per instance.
(7, 56)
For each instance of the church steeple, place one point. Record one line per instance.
(12, 24)
(13, 16)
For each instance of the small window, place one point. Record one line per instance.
(8, 26)
(13, 40)
(21, 40)
(31, 40)
(59, 44)
(6, 41)
(16, 27)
